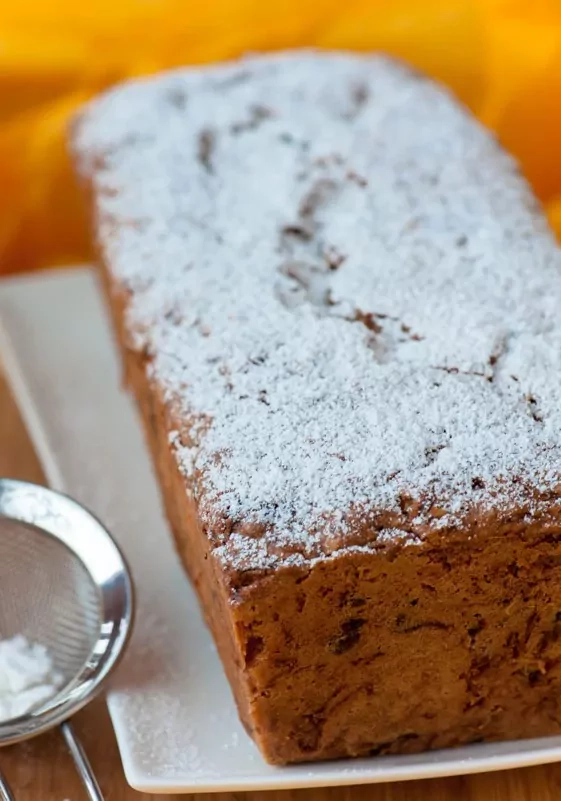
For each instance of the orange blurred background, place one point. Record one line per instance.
(501, 58)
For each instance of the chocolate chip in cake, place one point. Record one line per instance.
(348, 636)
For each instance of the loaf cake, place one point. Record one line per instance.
(337, 304)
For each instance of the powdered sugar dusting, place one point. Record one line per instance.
(346, 290)
(28, 678)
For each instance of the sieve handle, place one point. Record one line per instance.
(82, 766)
(5, 792)
(80, 761)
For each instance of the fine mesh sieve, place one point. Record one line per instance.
(63, 584)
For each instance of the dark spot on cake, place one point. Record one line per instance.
(531, 674)
(365, 661)
(101, 161)
(391, 551)
(533, 408)
(309, 731)
(547, 639)
(247, 577)
(431, 455)
(257, 360)
(298, 230)
(286, 665)
(412, 224)
(319, 195)
(477, 627)
(413, 602)
(369, 321)
(108, 191)
(513, 642)
(311, 281)
(287, 138)
(333, 257)
(206, 147)
(473, 704)
(253, 647)
(177, 98)
(325, 161)
(344, 599)
(145, 353)
(551, 538)
(512, 568)
(237, 79)
(533, 677)
(530, 625)
(348, 637)
(408, 505)
(451, 370)
(548, 561)
(258, 113)
(551, 636)
(360, 180)
(174, 316)
(360, 94)
(393, 746)
(477, 483)
(461, 241)
(262, 397)
(405, 626)
(358, 97)
(479, 665)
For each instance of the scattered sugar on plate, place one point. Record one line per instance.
(28, 676)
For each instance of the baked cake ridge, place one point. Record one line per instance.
(348, 295)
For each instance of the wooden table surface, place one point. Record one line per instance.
(41, 770)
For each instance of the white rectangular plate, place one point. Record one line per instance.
(171, 707)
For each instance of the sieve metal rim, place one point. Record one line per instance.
(39, 506)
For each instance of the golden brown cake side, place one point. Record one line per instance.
(456, 641)
(347, 382)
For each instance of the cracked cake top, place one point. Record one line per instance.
(346, 292)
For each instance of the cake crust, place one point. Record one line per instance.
(336, 302)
